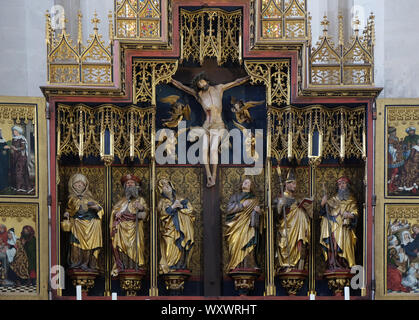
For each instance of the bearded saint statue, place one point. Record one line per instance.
(127, 227)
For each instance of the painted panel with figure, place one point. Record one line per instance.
(397, 207)
(402, 249)
(18, 249)
(18, 144)
(23, 199)
(402, 150)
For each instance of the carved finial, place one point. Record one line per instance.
(309, 33)
(372, 28)
(111, 33)
(341, 37)
(80, 34)
(48, 28)
(357, 23)
(63, 21)
(95, 22)
(325, 23)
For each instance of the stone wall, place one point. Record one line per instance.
(23, 51)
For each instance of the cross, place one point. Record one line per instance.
(357, 23)
(63, 21)
(325, 23)
(95, 21)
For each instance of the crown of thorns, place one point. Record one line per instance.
(200, 76)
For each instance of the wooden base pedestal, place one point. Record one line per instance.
(293, 280)
(244, 280)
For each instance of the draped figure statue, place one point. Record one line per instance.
(243, 228)
(339, 219)
(293, 228)
(127, 227)
(176, 228)
(84, 222)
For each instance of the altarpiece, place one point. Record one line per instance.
(303, 112)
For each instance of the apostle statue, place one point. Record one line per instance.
(176, 228)
(339, 219)
(210, 97)
(293, 228)
(243, 228)
(127, 227)
(84, 222)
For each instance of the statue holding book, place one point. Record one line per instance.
(293, 228)
(339, 220)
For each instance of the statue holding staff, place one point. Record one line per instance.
(339, 219)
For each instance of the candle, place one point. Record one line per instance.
(312, 296)
(240, 48)
(81, 144)
(78, 292)
(114, 296)
(131, 144)
(181, 47)
(364, 145)
(310, 144)
(112, 143)
(347, 294)
(289, 144)
(342, 146)
(102, 143)
(81, 136)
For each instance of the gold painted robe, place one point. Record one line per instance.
(241, 236)
(177, 232)
(123, 239)
(297, 229)
(341, 228)
(85, 227)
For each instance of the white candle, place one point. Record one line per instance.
(102, 143)
(310, 144)
(364, 144)
(112, 142)
(289, 144)
(240, 48)
(131, 145)
(81, 144)
(312, 296)
(78, 292)
(347, 294)
(342, 146)
(114, 296)
(181, 47)
(81, 136)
